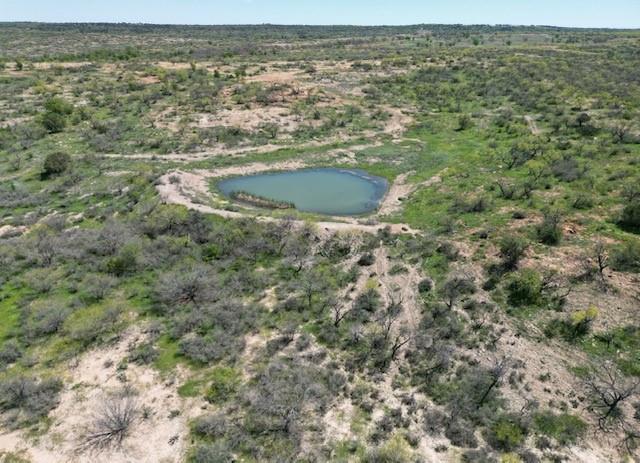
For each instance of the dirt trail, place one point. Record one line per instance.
(402, 287)
(400, 190)
(533, 126)
(223, 151)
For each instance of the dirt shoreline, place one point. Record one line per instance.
(184, 188)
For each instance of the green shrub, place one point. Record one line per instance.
(95, 287)
(28, 399)
(212, 426)
(464, 122)
(216, 452)
(224, 383)
(512, 248)
(398, 269)
(461, 434)
(582, 201)
(366, 260)
(564, 428)
(576, 326)
(462, 205)
(144, 354)
(9, 353)
(524, 288)
(92, 325)
(54, 118)
(368, 300)
(512, 458)
(456, 287)
(58, 106)
(425, 286)
(630, 219)
(549, 231)
(55, 164)
(506, 434)
(396, 450)
(14, 457)
(53, 122)
(44, 321)
(124, 263)
(626, 258)
(581, 320)
(567, 169)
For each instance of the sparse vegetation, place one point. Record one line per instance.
(111, 424)
(460, 318)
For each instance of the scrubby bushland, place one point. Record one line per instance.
(279, 405)
(26, 400)
(186, 287)
(284, 329)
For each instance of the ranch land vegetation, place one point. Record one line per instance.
(487, 311)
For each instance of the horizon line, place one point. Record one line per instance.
(128, 23)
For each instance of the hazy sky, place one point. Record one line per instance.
(579, 13)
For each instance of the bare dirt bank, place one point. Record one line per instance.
(191, 189)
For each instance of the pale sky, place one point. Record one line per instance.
(575, 13)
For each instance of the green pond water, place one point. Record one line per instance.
(327, 191)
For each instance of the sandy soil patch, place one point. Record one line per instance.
(118, 173)
(276, 77)
(397, 123)
(9, 231)
(62, 65)
(337, 422)
(161, 437)
(148, 80)
(109, 68)
(348, 155)
(251, 119)
(173, 66)
(14, 121)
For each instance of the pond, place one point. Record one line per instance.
(327, 191)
